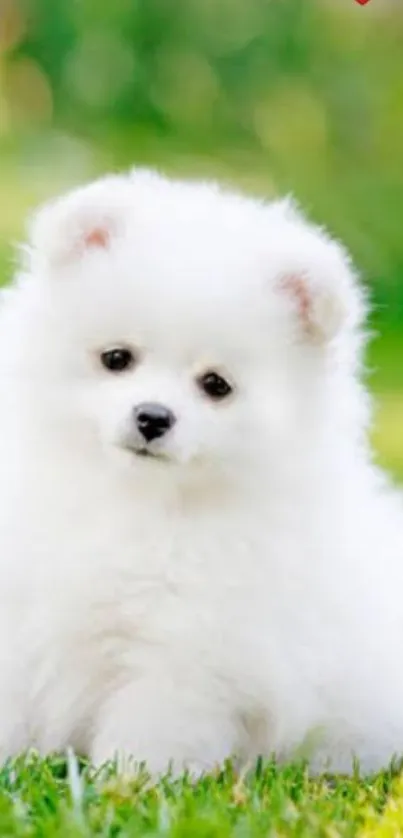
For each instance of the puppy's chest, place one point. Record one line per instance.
(151, 580)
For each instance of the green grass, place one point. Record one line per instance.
(48, 798)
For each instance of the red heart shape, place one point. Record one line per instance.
(362, 2)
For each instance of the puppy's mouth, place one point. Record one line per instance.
(149, 453)
(144, 452)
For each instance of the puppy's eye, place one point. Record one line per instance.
(214, 385)
(117, 359)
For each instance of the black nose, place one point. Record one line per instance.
(153, 420)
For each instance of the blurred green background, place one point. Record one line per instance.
(302, 96)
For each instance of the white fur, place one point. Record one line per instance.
(242, 593)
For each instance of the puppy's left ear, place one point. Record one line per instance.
(87, 219)
(319, 284)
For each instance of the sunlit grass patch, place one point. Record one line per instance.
(39, 798)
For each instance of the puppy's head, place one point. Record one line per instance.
(181, 327)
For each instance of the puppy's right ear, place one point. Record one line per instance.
(87, 219)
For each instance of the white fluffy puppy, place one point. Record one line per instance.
(197, 556)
